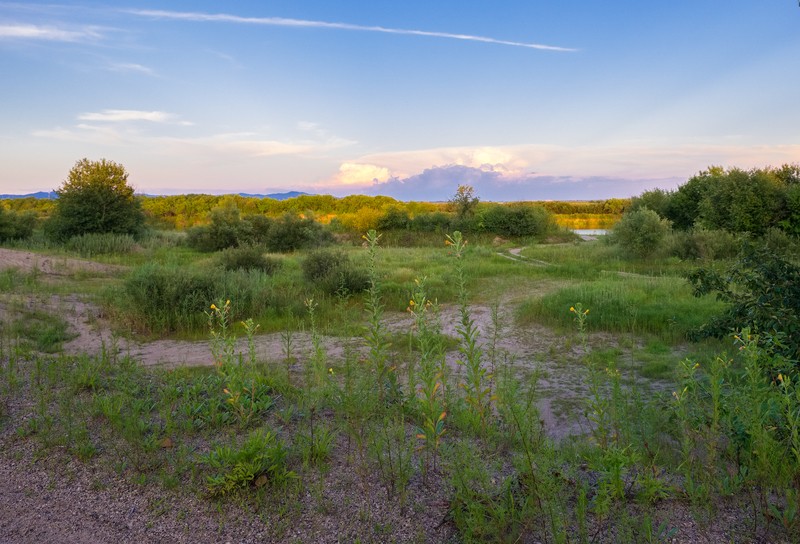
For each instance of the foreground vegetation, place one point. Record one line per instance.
(419, 413)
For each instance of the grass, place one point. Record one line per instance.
(663, 307)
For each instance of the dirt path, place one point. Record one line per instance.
(26, 261)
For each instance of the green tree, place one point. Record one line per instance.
(464, 202)
(683, 207)
(96, 198)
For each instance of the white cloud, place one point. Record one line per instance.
(303, 23)
(48, 33)
(360, 174)
(131, 67)
(127, 115)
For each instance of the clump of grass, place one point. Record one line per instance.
(248, 258)
(259, 461)
(41, 331)
(91, 244)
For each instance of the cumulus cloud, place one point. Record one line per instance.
(440, 183)
(359, 174)
(303, 23)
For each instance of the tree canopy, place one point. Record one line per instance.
(96, 198)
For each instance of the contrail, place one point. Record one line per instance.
(302, 23)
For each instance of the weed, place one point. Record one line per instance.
(259, 461)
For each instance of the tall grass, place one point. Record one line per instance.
(167, 299)
(93, 244)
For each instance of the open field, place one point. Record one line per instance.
(465, 395)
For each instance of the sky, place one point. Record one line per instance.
(523, 100)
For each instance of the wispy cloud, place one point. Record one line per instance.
(303, 23)
(132, 68)
(123, 116)
(49, 33)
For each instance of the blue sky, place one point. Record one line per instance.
(524, 100)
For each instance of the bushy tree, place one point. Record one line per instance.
(657, 200)
(640, 232)
(742, 201)
(464, 202)
(96, 198)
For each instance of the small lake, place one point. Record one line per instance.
(590, 232)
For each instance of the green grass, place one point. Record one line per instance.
(658, 306)
(41, 331)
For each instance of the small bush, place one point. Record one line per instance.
(640, 232)
(248, 258)
(781, 243)
(104, 243)
(256, 229)
(703, 244)
(332, 272)
(394, 218)
(16, 226)
(438, 222)
(320, 264)
(345, 280)
(291, 232)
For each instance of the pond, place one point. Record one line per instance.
(590, 232)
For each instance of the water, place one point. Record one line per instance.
(590, 232)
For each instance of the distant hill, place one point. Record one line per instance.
(40, 194)
(276, 196)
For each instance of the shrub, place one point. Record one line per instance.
(256, 229)
(438, 222)
(16, 226)
(224, 230)
(320, 264)
(248, 258)
(394, 218)
(763, 291)
(704, 244)
(332, 272)
(291, 232)
(516, 220)
(640, 232)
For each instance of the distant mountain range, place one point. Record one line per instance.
(276, 196)
(40, 194)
